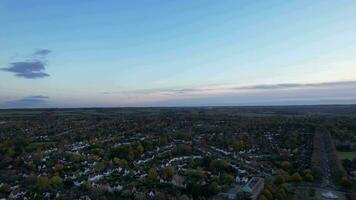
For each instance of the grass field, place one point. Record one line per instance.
(346, 155)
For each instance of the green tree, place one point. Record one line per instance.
(279, 180)
(296, 177)
(279, 196)
(99, 166)
(213, 188)
(163, 140)
(345, 182)
(308, 177)
(269, 188)
(120, 162)
(182, 149)
(140, 149)
(228, 179)
(282, 193)
(262, 197)
(183, 197)
(267, 194)
(98, 151)
(218, 165)
(168, 172)
(42, 182)
(152, 174)
(56, 181)
(197, 174)
(130, 155)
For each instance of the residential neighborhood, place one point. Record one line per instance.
(186, 153)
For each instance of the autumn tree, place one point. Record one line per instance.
(152, 174)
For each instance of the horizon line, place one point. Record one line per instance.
(203, 106)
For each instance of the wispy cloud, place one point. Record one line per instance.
(42, 52)
(341, 91)
(235, 88)
(27, 102)
(294, 85)
(33, 69)
(273, 94)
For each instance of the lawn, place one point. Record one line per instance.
(346, 155)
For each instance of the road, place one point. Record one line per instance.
(325, 162)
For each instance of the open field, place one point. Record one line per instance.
(346, 155)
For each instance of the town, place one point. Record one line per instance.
(264, 153)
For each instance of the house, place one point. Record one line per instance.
(329, 195)
(224, 196)
(229, 195)
(254, 187)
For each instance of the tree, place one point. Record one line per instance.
(285, 174)
(317, 172)
(296, 177)
(269, 188)
(218, 165)
(345, 182)
(279, 180)
(4, 189)
(267, 194)
(152, 174)
(182, 149)
(262, 197)
(183, 197)
(168, 172)
(196, 190)
(74, 157)
(99, 166)
(213, 188)
(286, 165)
(160, 196)
(163, 140)
(311, 192)
(86, 185)
(308, 177)
(42, 182)
(58, 167)
(279, 196)
(120, 162)
(98, 151)
(140, 149)
(68, 183)
(56, 181)
(228, 179)
(307, 171)
(196, 175)
(281, 193)
(116, 161)
(130, 155)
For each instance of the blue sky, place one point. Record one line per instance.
(176, 53)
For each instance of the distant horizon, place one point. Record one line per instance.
(176, 53)
(203, 106)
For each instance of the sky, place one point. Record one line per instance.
(176, 53)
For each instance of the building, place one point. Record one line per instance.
(254, 187)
